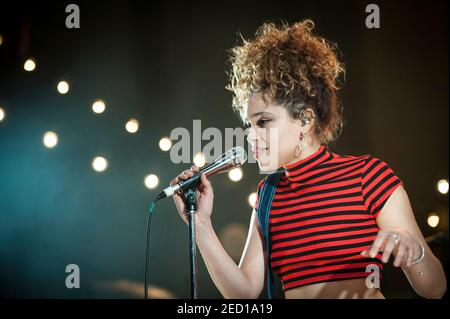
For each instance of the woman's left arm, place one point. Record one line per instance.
(401, 236)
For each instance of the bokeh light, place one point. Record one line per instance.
(99, 164)
(98, 106)
(50, 139)
(63, 87)
(199, 160)
(151, 181)
(433, 220)
(2, 114)
(442, 186)
(165, 144)
(252, 199)
(132, 126)
(235, 174)
(29, 65)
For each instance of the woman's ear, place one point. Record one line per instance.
(307, 119)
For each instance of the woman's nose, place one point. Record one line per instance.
(252, 135)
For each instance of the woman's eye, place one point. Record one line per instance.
(262, 123)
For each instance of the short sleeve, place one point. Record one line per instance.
(378, 182)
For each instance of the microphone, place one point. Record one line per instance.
(233, 158)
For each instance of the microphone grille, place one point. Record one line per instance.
(239, 155)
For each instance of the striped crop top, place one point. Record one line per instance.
(324, 214)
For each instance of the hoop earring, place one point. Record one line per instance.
(299, 149)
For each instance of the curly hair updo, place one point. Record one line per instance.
(293, 68)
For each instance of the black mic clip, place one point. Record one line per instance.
(190, 199)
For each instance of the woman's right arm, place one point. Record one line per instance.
(233, 281)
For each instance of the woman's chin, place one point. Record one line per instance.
(265, 165)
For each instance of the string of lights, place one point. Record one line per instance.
(99, 163)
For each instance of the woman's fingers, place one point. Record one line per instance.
(401, 254)
(178, 197)
(388, 249)
(181, 177)
(377, 244)
(410, 256)
(206, 185)
(195, 168)
(174, 181)
(178, 200)
(392, 243)
(186, 174)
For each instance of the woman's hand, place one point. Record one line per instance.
(205, 196)
(398, 241)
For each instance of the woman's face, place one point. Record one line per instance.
(273, 133)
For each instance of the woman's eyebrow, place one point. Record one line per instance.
(260, 113)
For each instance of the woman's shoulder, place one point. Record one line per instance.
(350, 156)
(367, 162)
(364, 161)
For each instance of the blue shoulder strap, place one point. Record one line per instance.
(265, 203)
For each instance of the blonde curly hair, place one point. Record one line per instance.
(293, 68)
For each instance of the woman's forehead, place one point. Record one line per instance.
(256, 104)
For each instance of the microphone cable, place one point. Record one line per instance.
(234, 157)
(147, 245)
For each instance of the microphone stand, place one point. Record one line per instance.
(190, 196)
(235, 157)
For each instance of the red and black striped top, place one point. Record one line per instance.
(324, 214)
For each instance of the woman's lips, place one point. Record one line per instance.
(257, 151)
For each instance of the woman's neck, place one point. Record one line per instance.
(311, 149)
